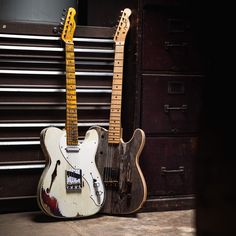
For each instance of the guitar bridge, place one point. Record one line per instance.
(74, 180)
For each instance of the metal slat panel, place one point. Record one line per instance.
(19, 143)
(45, 107)
(34, 72)
(50, 49)
(27, 58)
(34, 125)
(52, 90)
(38, 37)
(21, 167)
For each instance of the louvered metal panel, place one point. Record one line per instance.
(32, 93)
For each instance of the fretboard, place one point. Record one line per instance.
(114, 133)
(71, 101)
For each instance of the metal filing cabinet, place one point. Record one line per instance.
(171, 86)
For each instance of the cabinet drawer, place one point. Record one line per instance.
(21, 151)
(168, 165)
(169, 42)
(171, 104)
(19, 183)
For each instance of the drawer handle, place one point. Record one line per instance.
(168, 108)
(169, 45)
(178, 171)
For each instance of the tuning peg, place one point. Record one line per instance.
(55, 30)
(63, 19)
(60, 29)
(63, 12)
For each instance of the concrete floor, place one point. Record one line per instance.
(169, 223)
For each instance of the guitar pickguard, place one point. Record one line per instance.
(81, 166)
(70, 185)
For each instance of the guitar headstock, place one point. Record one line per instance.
(123, 26)
(69, 26)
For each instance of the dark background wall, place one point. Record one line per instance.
(34, 11)
(214, 166)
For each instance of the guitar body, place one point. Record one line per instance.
(118, 164)
(70, 185)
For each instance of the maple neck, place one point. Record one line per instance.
(115, 133)
(71, 101)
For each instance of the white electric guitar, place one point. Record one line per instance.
(70, 185)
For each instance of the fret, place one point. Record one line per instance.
(73, 106)
(115, 99)
(71, 93)
(114, 137)
(114, 141)
(72, 116)
(69, 65)
(71, 96)
(71, 110)
(117, 82)
(118, 62)
(70, 62)
(117, 76)
(70, 56)
(70, 70)
(71, 100)
(114, 126)
(115, 119)
(71, 87)
(71, 127)
(115, 122)
(116, 92)
(116, 87)
(115, 115)
(115, 110)
(118, 69)
(119, 56)
(72, 121)
(70, 83)
(70, 74)
(116, 102)
(114, 106)
(114, 134)
(119, 49)
(69, 47)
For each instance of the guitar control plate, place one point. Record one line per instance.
(74, 180)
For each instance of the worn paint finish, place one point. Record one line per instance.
(53, 180)
(126, 189)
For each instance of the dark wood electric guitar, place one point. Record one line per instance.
(117, 161)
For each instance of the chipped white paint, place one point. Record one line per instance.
(77, 203)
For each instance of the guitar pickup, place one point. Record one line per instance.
(72, 149)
